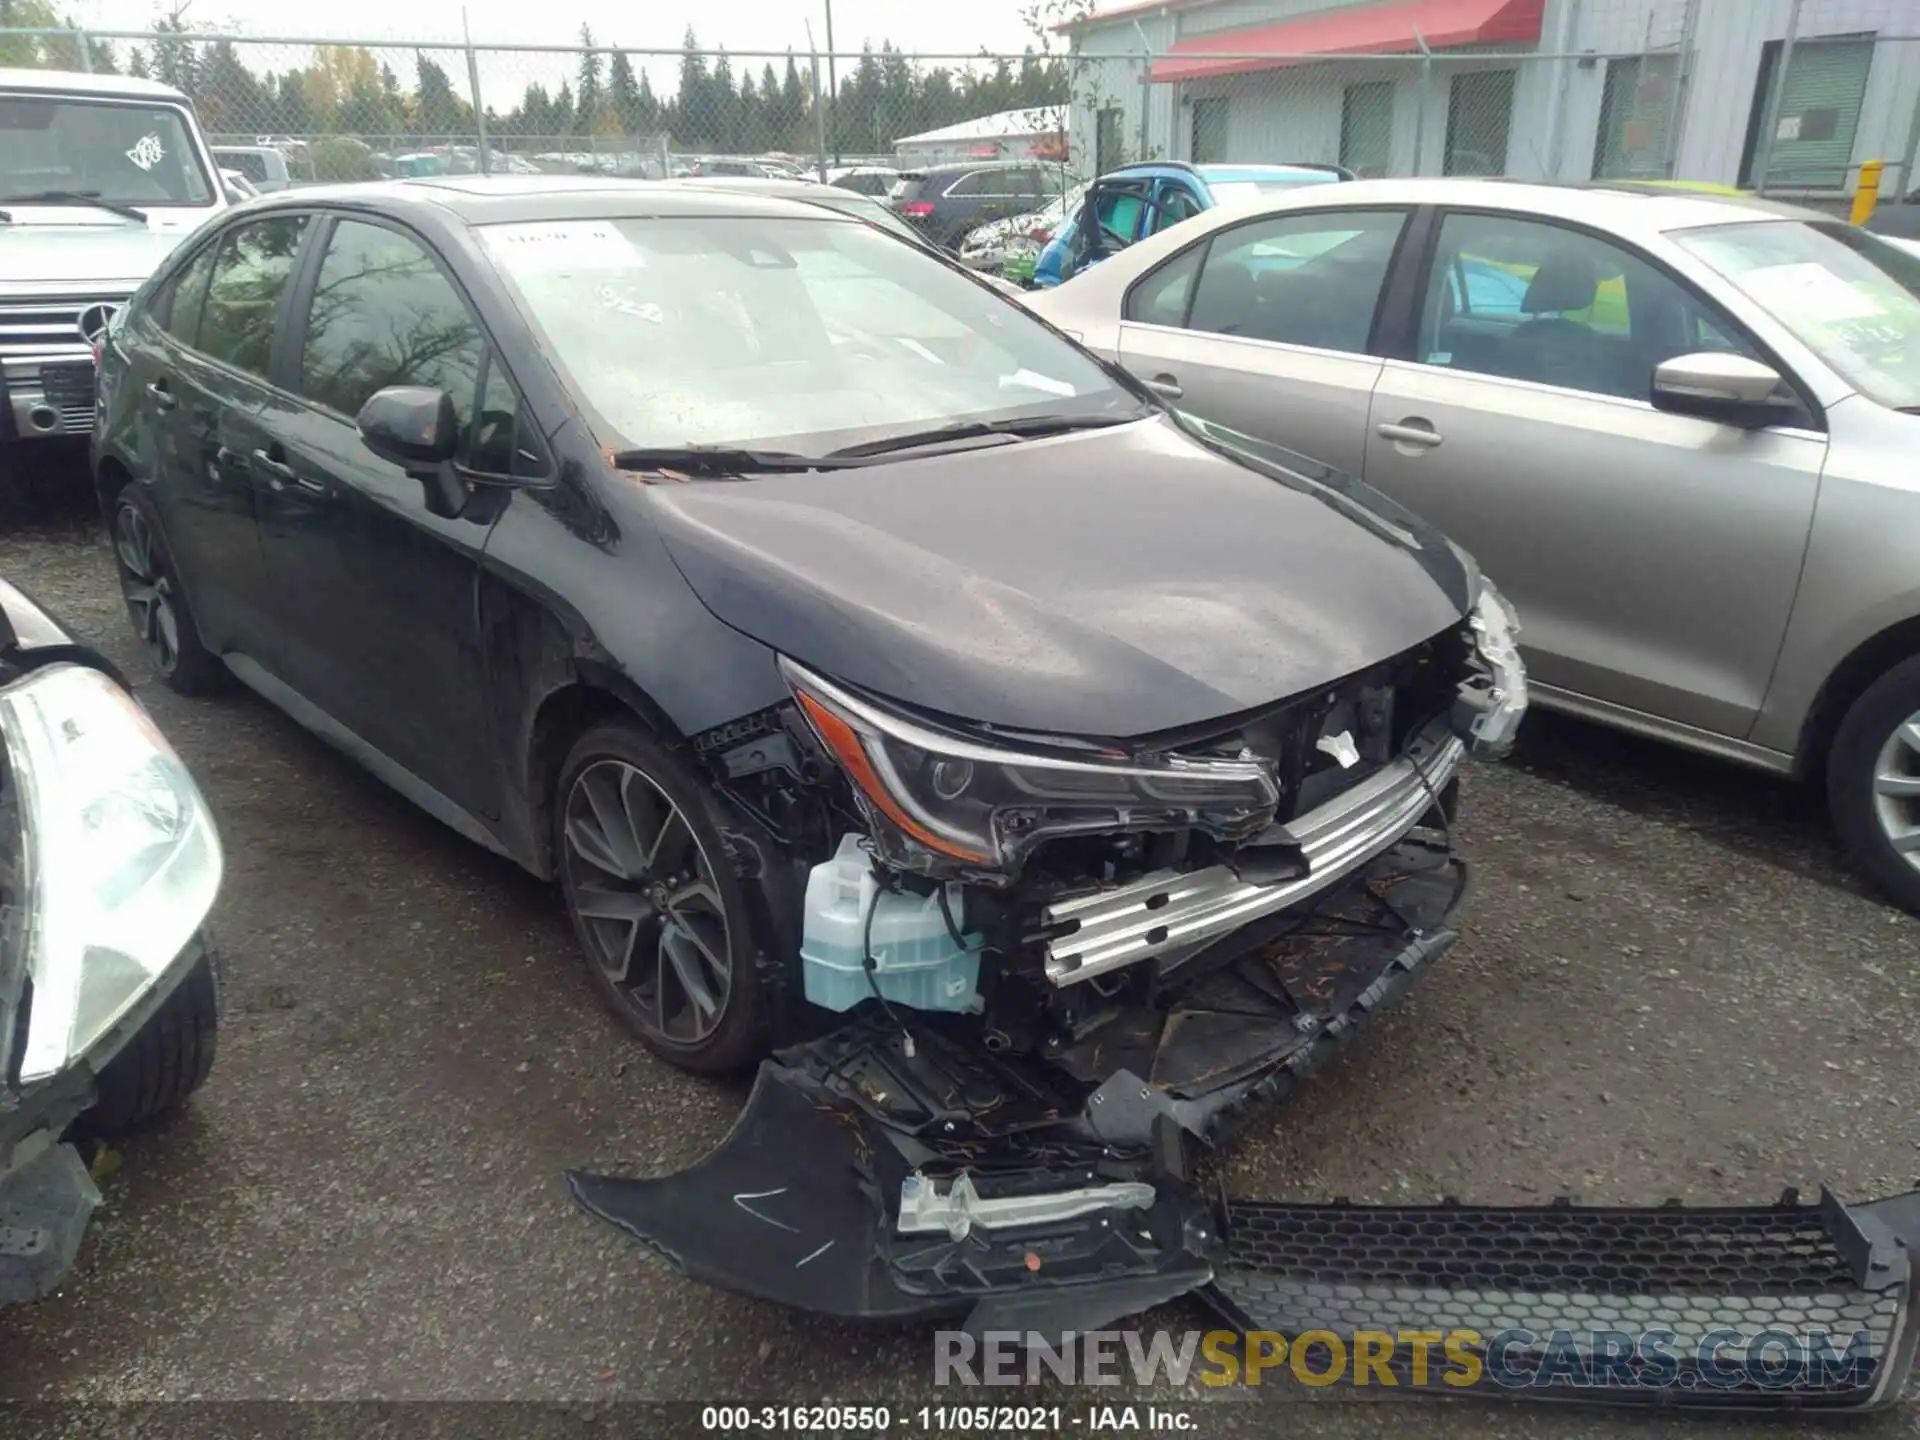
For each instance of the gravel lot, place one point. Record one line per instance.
(1669, 987)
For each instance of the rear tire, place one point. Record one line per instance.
(165, 1062)
(156, 601)
(1873, 783)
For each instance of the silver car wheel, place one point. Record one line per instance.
(148, 592)
(1896, 789)
(645, 892)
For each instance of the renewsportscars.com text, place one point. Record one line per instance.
(1411, 1359)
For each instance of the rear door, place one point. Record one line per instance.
(1266, 326)
(1653, 557)
(1111, 217)
(203, 387)
(377, 594)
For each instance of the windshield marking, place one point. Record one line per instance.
(148, 152)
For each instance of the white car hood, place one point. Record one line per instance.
(76, 247)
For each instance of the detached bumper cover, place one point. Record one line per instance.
(1790, 1304)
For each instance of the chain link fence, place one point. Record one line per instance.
(1825, 98)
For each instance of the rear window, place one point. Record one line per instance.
(247, 162)
(907, 187)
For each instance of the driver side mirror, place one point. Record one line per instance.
(418, 429)
(1721, 386)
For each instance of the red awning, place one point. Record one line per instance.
(1393, 27)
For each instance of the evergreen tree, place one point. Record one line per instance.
(440, 111)
(587, 98)
(693, 110)
(230, 100)
(726, 105)
(624, 95)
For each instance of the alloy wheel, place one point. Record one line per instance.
(1896, 789)
(148, 591)
(644, 890)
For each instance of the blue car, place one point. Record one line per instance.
(1135, 201)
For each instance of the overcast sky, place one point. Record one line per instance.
(926, 26)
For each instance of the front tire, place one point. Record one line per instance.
(165, 1062)
(660, 914)
(156, 602)
(1873, 783)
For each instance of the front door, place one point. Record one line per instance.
(1652, 557)
(377, 595)
(1266, 327)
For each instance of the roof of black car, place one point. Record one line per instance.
(490, 199)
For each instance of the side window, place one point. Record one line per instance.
(250, 273)
(974, 184)
(188, 294)
(1161, 297)
(1528, 300)
(1119, 214)
(1302, 279)
(383, 314)
(1177, 203)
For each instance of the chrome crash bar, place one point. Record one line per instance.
(1170, 911)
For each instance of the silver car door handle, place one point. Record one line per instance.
(1166, 386)
(1410, 434)
(277, 472)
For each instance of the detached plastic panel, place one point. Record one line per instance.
(44, 1209)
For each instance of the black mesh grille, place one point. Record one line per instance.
(1561, 1271)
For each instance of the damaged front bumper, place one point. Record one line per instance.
(899, 1169)
(813, 1203)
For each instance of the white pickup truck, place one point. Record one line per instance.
(100, 176)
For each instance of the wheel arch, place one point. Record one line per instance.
(110, 476)
(593, 694)
(1846, 683)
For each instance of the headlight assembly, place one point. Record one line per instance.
(121, 858)
(941, 803)
(1493, 702)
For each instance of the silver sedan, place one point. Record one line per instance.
(1680, 431)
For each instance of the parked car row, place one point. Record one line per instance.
(1677, 427)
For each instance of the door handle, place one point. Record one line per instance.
(1166, 386)
(279, 474)
(158, 392)
(1413, 432)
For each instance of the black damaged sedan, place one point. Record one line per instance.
(1052, 778)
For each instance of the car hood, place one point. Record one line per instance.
(1106, 583)
(77, 247)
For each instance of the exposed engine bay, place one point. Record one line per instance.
(1083, 909)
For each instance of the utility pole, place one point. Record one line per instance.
(833, 88)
